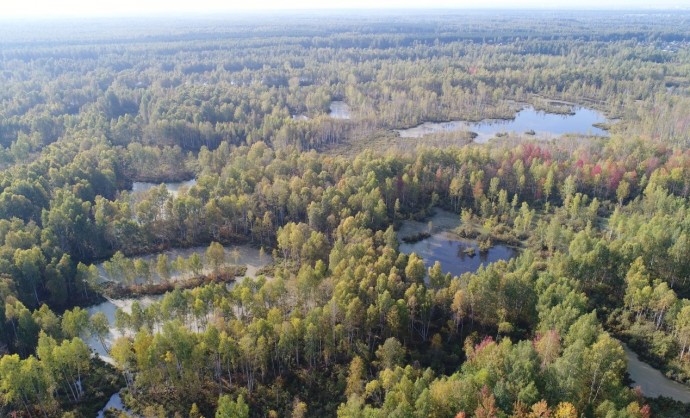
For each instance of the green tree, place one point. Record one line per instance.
(227, 408)
(194, 412)
(142, 270)
(100, 327)
(30, 264)
(75, 323)
(25, 327)
(356, 377)
(215, 254)
(26, 384)
(299, 409)
(163, 267)
(195, 264)
(415, 271)
(87, 277)
(390, 353)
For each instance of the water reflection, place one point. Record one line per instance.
(652, 382)
(456, 255)
(537, 123)
(240, 255)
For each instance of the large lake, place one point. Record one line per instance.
(446, 247)
(545, 125)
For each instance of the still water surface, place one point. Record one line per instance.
(246, 255)
(652, 382)
(545, 125)
(446, 247)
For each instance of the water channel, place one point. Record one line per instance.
(652, 382)
(240, 255)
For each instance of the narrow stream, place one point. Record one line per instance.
(652, 382)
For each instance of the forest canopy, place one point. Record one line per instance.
(100, 122)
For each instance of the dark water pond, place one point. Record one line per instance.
(545, 125)
(447, 248)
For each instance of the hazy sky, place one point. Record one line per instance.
(28, 8)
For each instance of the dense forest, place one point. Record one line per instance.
(338, 320)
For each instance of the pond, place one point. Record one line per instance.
(545, 125)
(339, 110)
(173, 187)
(652, 382)
(446, 247)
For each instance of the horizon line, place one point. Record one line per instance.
(220, 13)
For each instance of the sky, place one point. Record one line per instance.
(78, 8)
